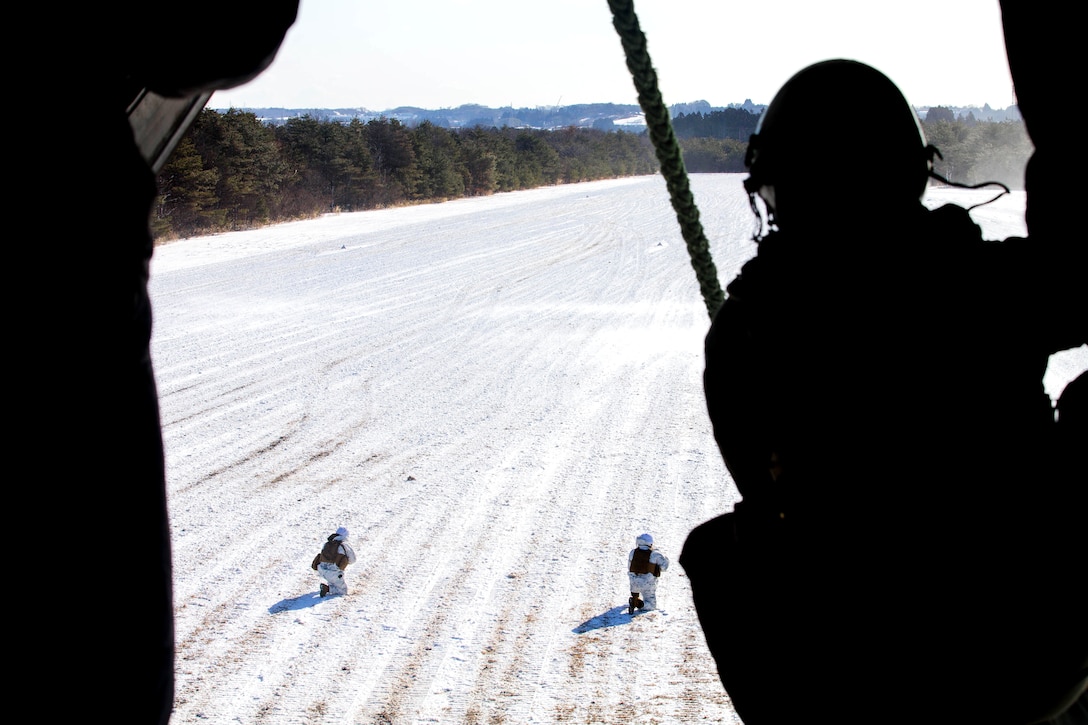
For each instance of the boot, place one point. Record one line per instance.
(634, 603)
(324, 589)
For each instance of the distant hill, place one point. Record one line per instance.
(606, 116)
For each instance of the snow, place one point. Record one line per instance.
(638, 120)
(496, 396)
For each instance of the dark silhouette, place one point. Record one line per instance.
(912, 534)
(86, 400)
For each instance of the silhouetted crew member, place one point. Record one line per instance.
(909, 538)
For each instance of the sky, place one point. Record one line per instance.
(446, 53)
(496, 396)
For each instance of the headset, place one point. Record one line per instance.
(790, 140)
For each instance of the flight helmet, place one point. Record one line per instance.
(839, 127)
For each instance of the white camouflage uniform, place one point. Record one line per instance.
(331, 573)
(645, 585)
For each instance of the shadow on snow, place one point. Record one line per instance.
(296, 603)
(611, 618)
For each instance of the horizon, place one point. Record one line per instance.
(713, 107)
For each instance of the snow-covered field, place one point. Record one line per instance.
(495, 396)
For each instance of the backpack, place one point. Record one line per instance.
(330, 554)
(640, 563)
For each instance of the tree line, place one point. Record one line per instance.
(971, 151)
(231, 171)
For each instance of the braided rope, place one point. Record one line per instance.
(659, 125)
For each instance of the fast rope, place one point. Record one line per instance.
(659, 125)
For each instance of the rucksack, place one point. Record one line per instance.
(330, 554)
(640, 563)
(330, 551)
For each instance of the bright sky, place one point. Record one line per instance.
(447, 53)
